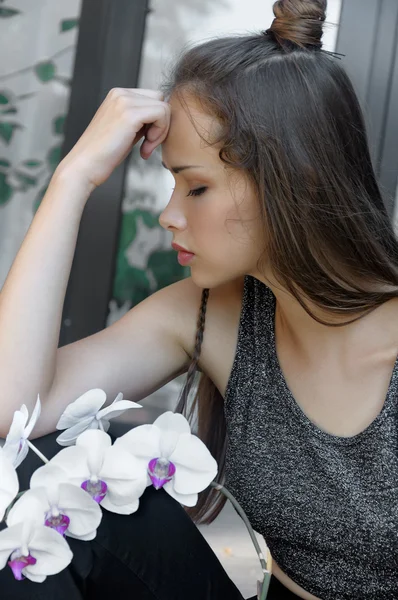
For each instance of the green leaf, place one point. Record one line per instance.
(24, 96)
(8, 12)
(63, 80)
(6, 190)
(58, 124)
(4, 162)
(7, 130)
(32, 163)
(9, 111)
(68, 24)
(165, 268)
(54, 156)
(45, 70)
(26, 180)
(131, 283)
(4, 99)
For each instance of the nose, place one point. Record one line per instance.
(172, 218)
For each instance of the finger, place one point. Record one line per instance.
(154, 137)
(157, 117)
(156, 94)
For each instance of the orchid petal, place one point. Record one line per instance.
(118, 397)
(169, 421)
(124, 475)
(87, 405)
(47, 476)
(85, 515)
(10, 538)
(8, 483)
(50, 550)
(168, 442)
(33, 418)
(116, 408)
(96, 443)
(83, 538)
(28, 526)
(32, 506)
(142, 441)
(25, 413)
(195, 466)
(96, 488)
(185, 499)
(171, 426)
(15, 432)
(32, 577)
(11, 450)
(22, 454)
(17, 564)
(69, 436)
(73, 461)
(120, 509)
(94, 438)
(160, 471)
(105, 424)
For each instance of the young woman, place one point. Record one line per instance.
(294, 265)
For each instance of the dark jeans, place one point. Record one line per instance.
(156, 553)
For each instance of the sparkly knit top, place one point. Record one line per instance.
(327, 506)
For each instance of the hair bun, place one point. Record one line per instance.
(299, 22)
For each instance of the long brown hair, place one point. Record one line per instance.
(290, 119)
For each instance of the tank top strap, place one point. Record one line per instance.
(255, 335)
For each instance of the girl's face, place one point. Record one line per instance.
(213, 211)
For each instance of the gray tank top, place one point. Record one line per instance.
(327, 506)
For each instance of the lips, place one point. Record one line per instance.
(180, 248)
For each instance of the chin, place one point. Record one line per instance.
(211, 280)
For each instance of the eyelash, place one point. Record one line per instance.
(197, 192)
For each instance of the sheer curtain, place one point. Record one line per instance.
(37, 49)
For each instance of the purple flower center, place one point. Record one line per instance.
(60, 523)
(20, 562)
(96, 489)
(160, 471)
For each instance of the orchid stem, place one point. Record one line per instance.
(264, 567)
(36, 451)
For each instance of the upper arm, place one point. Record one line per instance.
(145, 349)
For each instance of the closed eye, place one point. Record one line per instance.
(197, 192)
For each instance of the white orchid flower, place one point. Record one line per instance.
(16, 445)
(34, 550)
(174, 459)
(111, 476)
(9, 485)
(86, 413)
(56, 503)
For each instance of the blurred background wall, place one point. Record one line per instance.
(37, 50)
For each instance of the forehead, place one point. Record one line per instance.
(189, 132)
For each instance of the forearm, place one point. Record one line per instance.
(32, 298)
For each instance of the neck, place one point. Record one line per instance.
(372, 332)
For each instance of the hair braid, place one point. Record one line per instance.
(208, 404)
(182, 405)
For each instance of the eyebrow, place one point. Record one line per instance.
(182, 168)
